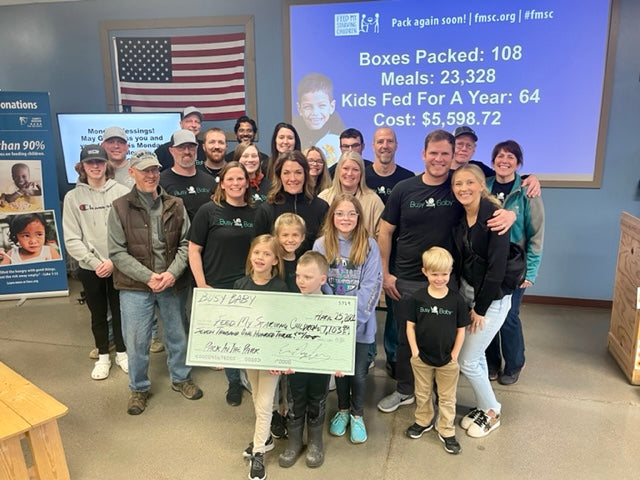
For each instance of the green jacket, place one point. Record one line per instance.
(528, 229)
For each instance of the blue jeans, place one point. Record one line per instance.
(351, 388)
(509, 342)
(473, 363)
(137, 317)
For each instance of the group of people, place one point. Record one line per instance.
(436, 243)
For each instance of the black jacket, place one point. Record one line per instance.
(482, 259)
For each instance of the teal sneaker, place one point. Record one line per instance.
(358, 430)
(339, 423)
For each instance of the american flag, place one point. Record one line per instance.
(160, 74)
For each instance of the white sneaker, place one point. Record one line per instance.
(483, 425)
(101, 370)
(469, 418)
(122, 360)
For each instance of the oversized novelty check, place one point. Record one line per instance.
(272, 331)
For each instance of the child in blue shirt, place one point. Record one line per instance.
(355, 269)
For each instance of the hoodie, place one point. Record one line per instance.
(361, 281)
(84, 221)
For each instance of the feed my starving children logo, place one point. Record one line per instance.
(30, 122)
(349, 24)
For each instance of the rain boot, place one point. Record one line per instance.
(292, 452)
(315, 451)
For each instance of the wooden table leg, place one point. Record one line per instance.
(12, 463)
(49, 461)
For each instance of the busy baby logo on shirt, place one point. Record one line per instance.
(190, 190)
(235, 222)
(431, 203)
(382, 190)
(435, 310)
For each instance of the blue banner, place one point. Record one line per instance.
(31, 252)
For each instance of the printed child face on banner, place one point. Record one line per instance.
(315, 108)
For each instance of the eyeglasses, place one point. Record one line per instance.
(317, 161)
(463, 145)
(340, 214)
(353, 146)
(186, 146)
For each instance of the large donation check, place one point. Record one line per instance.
(272, 331)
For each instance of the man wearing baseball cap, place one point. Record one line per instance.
(183, 179)
(116, 144)
(149, 248)
(191, 120)
(465, 147)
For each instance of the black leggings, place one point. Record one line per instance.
(99, 293)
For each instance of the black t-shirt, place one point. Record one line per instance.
(437, 321)
(384, 185)
(213, 172)
(312, 212)
(166, 159)
(501, 190)
(259, 194)
(194, 191)
(225, 233)
(290, 275)
(276, 284)
(424, 216)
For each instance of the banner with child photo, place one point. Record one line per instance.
(31, 257)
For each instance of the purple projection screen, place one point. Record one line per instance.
(532, 71)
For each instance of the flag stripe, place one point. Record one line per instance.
(151, 87)
(185, 91)
(214, 52)
(161, 73)
(226, 37)
(197, 64)
(179, 103)
(210, 113)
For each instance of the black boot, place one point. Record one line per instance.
(292, 452)
(315, 451)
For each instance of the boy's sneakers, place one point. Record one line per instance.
(391, 402)
(469, 418)
(416, 431)
(339, 423)
(278, 425)
(268, 446)
(256, 471)
(483, 425)
(451, 445)
(358, 430)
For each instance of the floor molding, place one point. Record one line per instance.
(567, 301)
